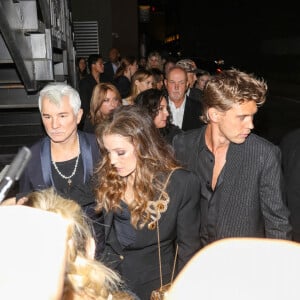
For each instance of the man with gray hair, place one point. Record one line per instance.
(66, 156)
(64, 159)
(185, 110)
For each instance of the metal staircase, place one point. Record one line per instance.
(36, 47)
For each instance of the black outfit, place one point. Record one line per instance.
(88, 126)
(248, 199)
(40, 174)
(290, 148)
(134, 253)
(67, 167)
(169, 132)
(80, 76)
(192, 113)
(86, 87)
(123, 85)
(195, 94)
(108, 74)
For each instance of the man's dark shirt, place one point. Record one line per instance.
(86, 87)
(123, 85)
(205, 165)
(109, 72)
(249, 201)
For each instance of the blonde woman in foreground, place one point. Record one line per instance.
(85, 277)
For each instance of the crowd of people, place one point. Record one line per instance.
(158, 156)
(131, 77)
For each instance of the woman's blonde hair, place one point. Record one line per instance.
(159, 60)
(85, 277)
(155, 160)
(139, 75)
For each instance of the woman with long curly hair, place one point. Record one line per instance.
(143, 210)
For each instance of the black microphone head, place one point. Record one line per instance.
(14, 171)
(18, 164)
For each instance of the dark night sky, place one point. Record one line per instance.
(252, 35)
(238, 30)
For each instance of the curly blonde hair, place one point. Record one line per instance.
(85, 277)
(155, 160)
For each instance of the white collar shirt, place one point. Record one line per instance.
(177, 112)
(115, 67)
(188, 92)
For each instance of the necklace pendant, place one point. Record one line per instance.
(69, 181)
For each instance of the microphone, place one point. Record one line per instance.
(14, 171)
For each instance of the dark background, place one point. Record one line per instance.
(251, 35)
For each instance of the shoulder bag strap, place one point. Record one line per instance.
(158, 243)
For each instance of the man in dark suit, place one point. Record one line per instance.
(111, 66)
(87, 84)
(64, 159)
(186, 111)
(290, 148)
(240, 172)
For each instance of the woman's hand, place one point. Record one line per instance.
(13, 201)
(9, 201)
